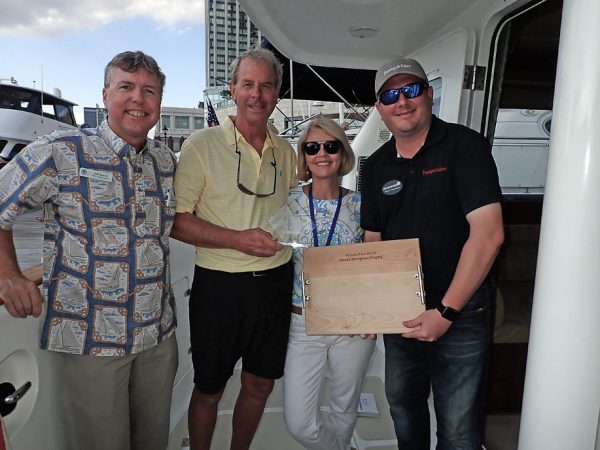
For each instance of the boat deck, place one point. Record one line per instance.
(374, 433)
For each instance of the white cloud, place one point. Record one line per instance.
(56, 17)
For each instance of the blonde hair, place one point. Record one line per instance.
(333, 129)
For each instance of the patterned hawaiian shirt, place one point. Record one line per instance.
(108, 214)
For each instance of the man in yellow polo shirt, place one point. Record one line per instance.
(230, 180)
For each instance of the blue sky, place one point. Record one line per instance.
(70, 42)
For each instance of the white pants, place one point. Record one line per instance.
(345, 359)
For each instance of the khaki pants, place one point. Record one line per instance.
(119, 403)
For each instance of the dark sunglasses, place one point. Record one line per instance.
(312, 148)
(411, 90)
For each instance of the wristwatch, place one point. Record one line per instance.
(448, 313)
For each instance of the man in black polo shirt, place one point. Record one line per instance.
(437, 182)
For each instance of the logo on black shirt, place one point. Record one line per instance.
(436, 170)
(392, 187)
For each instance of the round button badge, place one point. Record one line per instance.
(392, 187)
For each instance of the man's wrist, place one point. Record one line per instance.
(448, 313)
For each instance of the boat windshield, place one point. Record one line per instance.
(21, 99)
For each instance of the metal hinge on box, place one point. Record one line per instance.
(305, 298)
(419, 277)
(474, 78)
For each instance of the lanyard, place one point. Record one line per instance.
(314, 222)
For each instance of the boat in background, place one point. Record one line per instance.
(503, 68)
(28, 113)
(488, 61)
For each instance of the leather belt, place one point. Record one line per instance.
(297, 310)
(263, 273)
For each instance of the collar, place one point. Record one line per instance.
(116, 143)
(435, 135)
(230, 135)
(437, 132)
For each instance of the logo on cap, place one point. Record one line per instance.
(396, 67)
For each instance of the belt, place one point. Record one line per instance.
(274, 270)
(263, 273)
(251, 273)
(297, 310)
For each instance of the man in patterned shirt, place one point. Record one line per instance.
(109, 206)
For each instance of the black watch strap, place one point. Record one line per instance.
(448, 313)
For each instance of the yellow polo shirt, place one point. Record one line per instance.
(205, 184)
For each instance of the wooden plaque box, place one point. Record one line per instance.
(362, 288)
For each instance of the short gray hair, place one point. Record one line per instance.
(132, 61)
(258, 54)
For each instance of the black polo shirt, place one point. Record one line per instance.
(429, 196)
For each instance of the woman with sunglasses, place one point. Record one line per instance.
(324, 155)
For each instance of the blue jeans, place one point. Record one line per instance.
(455, 367)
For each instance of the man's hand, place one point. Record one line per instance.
(433, 326)
(20, 296)
(257, 242)
(201, 233)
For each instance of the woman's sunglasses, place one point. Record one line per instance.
(411, 90)
(312, 148)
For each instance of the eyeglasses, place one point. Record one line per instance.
(243, 188)
(312, 148)
(409, 91)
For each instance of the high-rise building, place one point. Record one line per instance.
(229, 32)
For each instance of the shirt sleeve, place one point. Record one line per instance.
(27, 182)
(190, 176)
(476, 175)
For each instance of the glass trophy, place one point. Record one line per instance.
(288, 227)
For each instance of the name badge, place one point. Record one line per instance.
(95, 175)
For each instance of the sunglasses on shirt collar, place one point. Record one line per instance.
(312, 147)
(409, 91)
(240, 186)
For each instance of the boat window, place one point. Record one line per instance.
(35, 104)
(436, 84)
(63, 114)
(48, 110)
(12, 97)
(520, 99)
(54, 109)
(530, 57)
(525, 55)
(23, 99)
